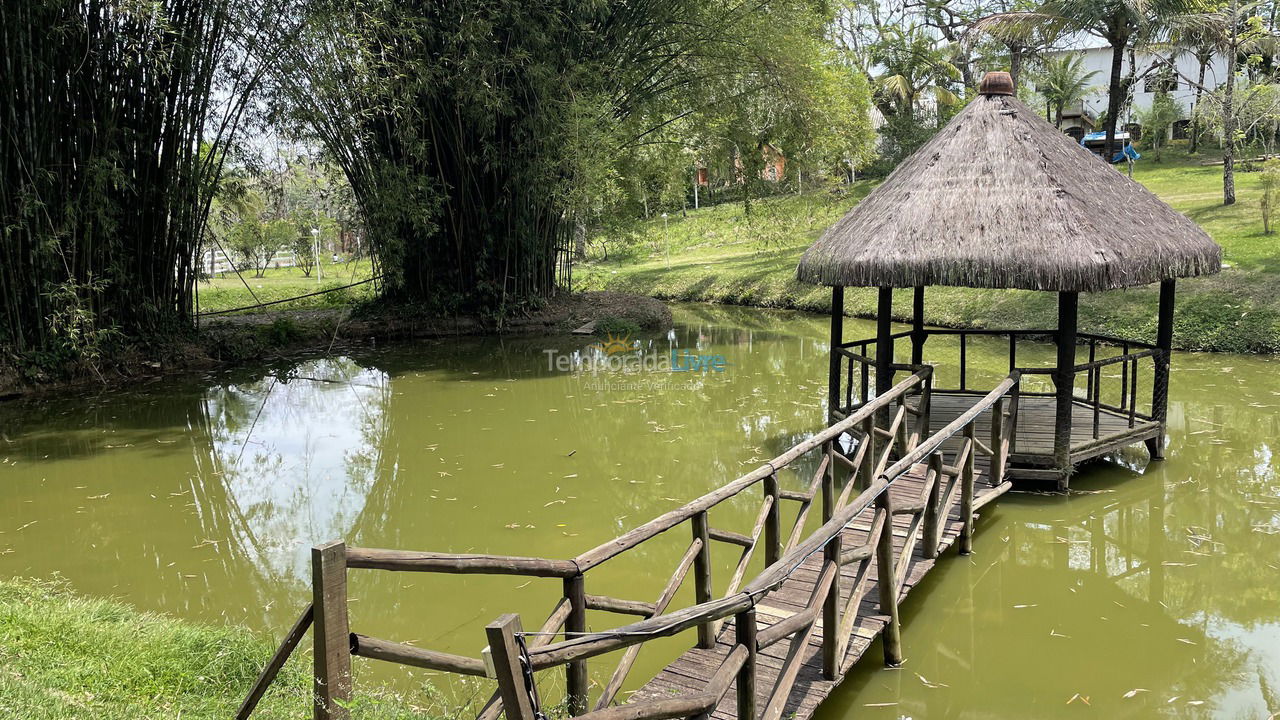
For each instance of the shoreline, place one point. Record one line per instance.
(234, 340)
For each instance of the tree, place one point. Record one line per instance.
(1158, 119)
(1235, 30)
(915, 66)
(116, 116)
(1269, 181)
(467, 128)
(1063, 82)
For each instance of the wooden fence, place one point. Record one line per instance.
(873, 447)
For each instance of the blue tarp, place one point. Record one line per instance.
(1127, 152)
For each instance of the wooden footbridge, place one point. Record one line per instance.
(891, 498)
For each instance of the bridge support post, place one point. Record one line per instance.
(332, 637)
(887, 580)
(966, 491)
(772, 522)
(504, 656)
(932, 520)
(745, 630)
(576, 671)
(702, 577)
(831, 611)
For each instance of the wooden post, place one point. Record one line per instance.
(745, 629)
(831, 639)
(829, 483)
(966, 491)
(917, 326)
(837, 337)
(576, 670)
(702, 577)
(504, 658)
(1160, 386)
(772, 522)
(332, 654)
(887, 580)
(932, 511)
(884, 345)
(1064, 380)
(997, 442)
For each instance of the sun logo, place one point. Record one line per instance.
(614, 345)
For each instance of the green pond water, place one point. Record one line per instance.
(1150, 591)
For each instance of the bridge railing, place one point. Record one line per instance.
(871, 454)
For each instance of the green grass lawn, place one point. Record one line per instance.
(229, 291)
(721, 254)
(63, 657)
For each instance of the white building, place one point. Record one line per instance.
(1182, 83)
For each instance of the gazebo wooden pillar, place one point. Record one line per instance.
(1001, 199)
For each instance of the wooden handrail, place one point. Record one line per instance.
(666, 521)
(409, 561)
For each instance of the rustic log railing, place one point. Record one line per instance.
(870, 449)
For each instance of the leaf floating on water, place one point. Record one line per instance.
(1135, 691)
(883, 704)
(1195, 702)
(1184, 640)
(929, 684)
(1082, 698)
(1029, 605)
(572, 475)
(1055, 633)
(554, 502)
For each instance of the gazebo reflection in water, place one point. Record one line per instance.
(1001, 199)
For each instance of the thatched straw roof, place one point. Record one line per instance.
(1002, 199)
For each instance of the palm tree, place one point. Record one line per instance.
(915, 66)
(1063, 82)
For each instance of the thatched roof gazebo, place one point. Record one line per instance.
(999, 198)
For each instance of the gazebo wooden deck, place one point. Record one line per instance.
(1001, 199)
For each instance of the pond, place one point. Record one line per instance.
(1149, 590)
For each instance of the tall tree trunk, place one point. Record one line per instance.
(1057, 116)
(1229, 118)
(1195, 107)
(1015, 65)
(1114, 89)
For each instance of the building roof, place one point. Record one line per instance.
(999, 198)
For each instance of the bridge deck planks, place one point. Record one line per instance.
(690, 672)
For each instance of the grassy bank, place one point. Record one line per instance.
(62, 656)
(228, 291)
(720, 254)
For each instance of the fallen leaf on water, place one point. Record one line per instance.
(1135, 691)
(929, 684)
(887, 704)
(554, 502)
(1184, 640)
(1019, 607)
(574, 475)
(1082, 698)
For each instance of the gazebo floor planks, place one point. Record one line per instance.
(690, 672)
(1036, 424)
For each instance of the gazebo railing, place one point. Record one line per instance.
(1122, 385)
